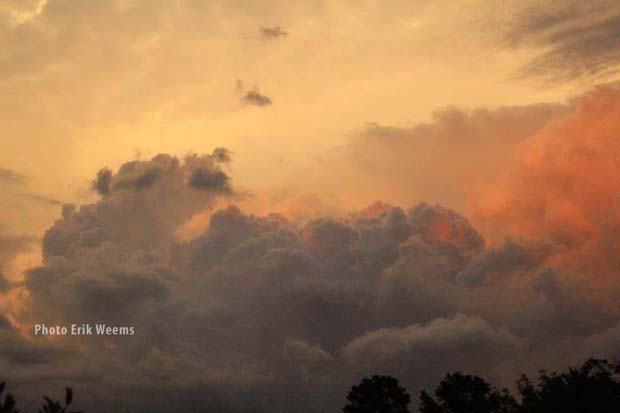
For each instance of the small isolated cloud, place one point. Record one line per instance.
(254, 97)
(222, 155)
(271, 33)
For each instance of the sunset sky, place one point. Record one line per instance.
(445, 174)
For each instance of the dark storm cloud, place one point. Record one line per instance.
(257, 303)
(459, 343)
(604, 344)
(579, 39)
(271, 33)
(510, 259)
(254, 97)
(259, 312)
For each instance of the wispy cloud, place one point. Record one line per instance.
(576, 39)
(37, 198)
(9, 176)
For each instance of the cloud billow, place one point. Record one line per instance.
(258, 311)
(257, 303)
(211, 308)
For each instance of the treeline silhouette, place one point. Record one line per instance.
(50, 406)
(592, 388)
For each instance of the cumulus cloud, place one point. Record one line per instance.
(563, 188)
(210, 310)
(442, 160)
(259, 311)
(461, 342)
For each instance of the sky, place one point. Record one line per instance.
(424, 186)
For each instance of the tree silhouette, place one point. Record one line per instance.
(8, 406)
(379, 394)
(460, 393)
(592, 388)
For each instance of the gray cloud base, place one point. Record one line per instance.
(258, 313)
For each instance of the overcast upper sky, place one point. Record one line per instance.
(194, 167)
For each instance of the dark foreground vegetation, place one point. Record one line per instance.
(592, 388)
(8, 405)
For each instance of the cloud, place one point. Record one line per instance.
(202, 178)
(41, 199)
(272, 33)
(604, 344)
(509, 259)
(254, 97)
(222, 155)
(578, 40)
(12, 178)
(259, 311)
(562, 192)
(5, 285)
(8, 176)
(103, 181)
(461, 343)
(254, 303)
(12, 245)
(555, 191)
(442, 160)
(209, 310)
(200, 172)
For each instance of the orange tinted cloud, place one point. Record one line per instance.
(564, 191)
(565, 186)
